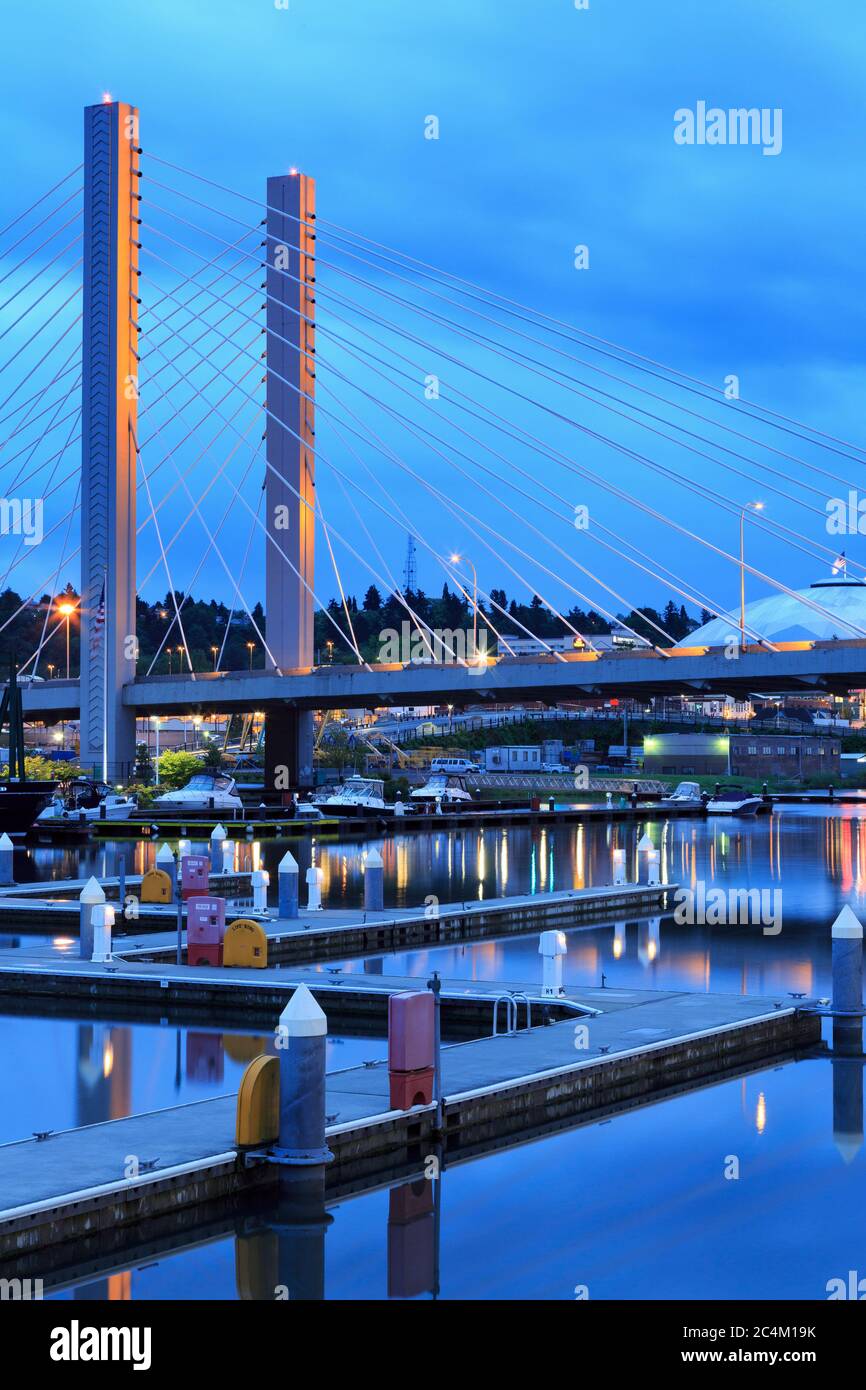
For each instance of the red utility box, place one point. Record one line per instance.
(195, 875)
(199, 954)
(206, 921)
(411, 1048)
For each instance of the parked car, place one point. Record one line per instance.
(456, 765)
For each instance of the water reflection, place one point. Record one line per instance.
(69, 1073)
(643, 1206)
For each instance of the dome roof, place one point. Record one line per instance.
(786, 618)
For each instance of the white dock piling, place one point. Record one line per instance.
(287, 880)
(103, 921)
(314, 889)
(847, 937)
(303, 1036)
(91, 896)
(217, 839)
(259, 879)
(7, 879)
(166, 861)
(374, 882)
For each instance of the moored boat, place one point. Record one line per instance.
(205, 791)
(357, 796)
(733, 801)
(684, 794)
(445, 789)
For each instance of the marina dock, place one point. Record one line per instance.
(76, 1186)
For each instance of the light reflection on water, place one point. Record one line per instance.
(813, 857)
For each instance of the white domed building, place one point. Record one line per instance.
(789, 618)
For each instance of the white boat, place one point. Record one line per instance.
(306, 810)
(83, 800)
(354, 797)
(206, 791)
(445, 788)
(733, 801)
(684, 794)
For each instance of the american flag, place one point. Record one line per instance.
(840, 564)
(98, 621)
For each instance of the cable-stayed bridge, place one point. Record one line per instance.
(180, 360)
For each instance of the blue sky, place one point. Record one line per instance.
(556, 129)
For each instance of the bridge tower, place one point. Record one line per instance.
(290, 492)
(108, 434)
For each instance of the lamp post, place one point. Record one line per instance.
(456, 560)
(67, 609)
(155, 722)
(755, 507)
(251, 646)
(214, 653)
(330, 647)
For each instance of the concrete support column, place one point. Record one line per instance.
(288, 748)
(290, 489)
(109, 396)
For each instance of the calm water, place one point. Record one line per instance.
(638, 1207)
(69, 1073)
(813, 857)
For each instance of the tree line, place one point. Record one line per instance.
(211, 635)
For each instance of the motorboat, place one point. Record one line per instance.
(684, 794)
(205, 791)
(21, 803)
(307, 810)
(444, 788)
(357, 796)
(83, 801)
(733, 801)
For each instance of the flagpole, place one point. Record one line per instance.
(105, 631)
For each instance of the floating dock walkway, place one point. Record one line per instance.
(327, 934)
(82, 1185)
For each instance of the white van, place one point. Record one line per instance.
(453, 765)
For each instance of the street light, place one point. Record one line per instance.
(330, 647)
(251, 646)
(50, 671)
(67, 609)
(215, 653)
(755, 507)
(463, 559)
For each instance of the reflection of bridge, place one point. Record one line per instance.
(124, 201)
